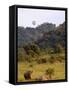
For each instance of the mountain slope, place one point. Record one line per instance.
(53, 38)
(29, 35)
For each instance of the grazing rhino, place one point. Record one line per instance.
(27, 75)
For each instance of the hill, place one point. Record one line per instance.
(28, 35)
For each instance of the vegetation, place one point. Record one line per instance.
(45, 55)
(40, 70)
(50, 72)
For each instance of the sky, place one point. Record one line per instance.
(26, 16)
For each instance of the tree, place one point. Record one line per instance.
(21, 54)
(58, 48)
(50, 72)
(27, 48)
(35, 48)
(32, 48)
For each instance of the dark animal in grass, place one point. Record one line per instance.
(27, 75)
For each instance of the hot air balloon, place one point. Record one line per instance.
(34, 22)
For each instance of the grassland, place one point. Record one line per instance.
(40, 68)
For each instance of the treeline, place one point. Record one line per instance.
(33, 52)
(35, 43)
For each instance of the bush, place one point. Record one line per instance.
(52, 59)
(21, 54)
(50, 72)
(28, 59)
(41, 61)
(60, 58)
(30, 65)
(33, 48)
(31, 53)
(58, 48)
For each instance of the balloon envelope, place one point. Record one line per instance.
(33, 22)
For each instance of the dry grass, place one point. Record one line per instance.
(39, 70)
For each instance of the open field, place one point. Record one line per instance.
(39, 69)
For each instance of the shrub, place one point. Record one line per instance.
(28, 59)
(52, 59)
(60, 58)
(21, 55)
(50, 72)
(31, 53)
(32, 49)
(41, 61)
(35, 48)
(30, 65)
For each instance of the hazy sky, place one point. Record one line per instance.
(27, 16)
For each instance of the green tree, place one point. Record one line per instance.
(58, 48)
(32, 48)
(35, 48)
